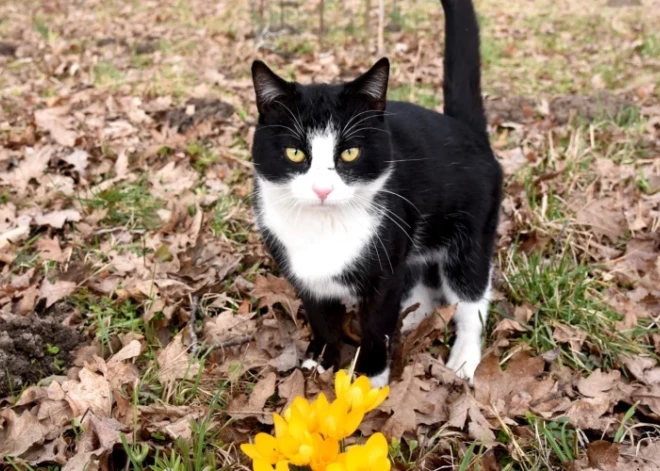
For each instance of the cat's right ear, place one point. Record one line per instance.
(268, 86)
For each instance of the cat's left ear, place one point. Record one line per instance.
(373, 84)
(268, 86)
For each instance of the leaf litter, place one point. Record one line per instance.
(130, 267)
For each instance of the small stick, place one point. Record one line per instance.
(232, 343)
(192, 335)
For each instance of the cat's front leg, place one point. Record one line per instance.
(379, 314)
(325, 318)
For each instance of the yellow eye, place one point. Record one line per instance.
(294, 155)
(349, 155)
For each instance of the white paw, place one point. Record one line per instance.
(465, 357)
(310, 364)
(381, 380)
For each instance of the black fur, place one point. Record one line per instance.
(444, 192)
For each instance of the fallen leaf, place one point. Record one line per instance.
(407, 397)
(571, 335)
(254, 407)
(271, 290)
(229, 326)
(57, 219)
(292, 387)
(19, 432)
(175, 363)
(513, 390)
(78, 158)
(603, 455)
(91, 393)
(605, 218)
(286, 360)
(57, 123)
(53, 292)
(49, 249)
(598, 383)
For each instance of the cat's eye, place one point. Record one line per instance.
(349, 155)
(294, 155)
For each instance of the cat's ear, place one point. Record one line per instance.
(373, 84)
(267, 85)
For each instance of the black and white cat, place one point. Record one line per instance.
(380, 203)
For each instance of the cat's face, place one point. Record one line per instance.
(321, 146)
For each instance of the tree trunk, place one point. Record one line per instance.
(381, 27)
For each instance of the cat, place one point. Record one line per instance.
(379, 203)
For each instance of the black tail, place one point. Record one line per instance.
(462, 74)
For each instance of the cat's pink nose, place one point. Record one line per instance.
(322, 191)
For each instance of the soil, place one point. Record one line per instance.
(202, 109)
(31, 349)
(562, 108)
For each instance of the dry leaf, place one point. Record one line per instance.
(229, 326)
(598, 383)
(605, 218)
(292, 387)
(513, 390)
(56, 121)
(603, 455)
(91, 393)
(175, 363)
(18, 433)
(270, 290)
(264, 389)
(54, 292)
(407, 397)
(573, 336)
(57, 219)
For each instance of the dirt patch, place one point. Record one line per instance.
(561, 110)
(195, 111)
(32, 348)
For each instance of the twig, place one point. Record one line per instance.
(192, 335)
(232, 343)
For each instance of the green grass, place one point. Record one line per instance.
(105, 73)
(564, 292)
(225, 223)
(423, 95)
(202, 155)
(130, 204)
(109, 318)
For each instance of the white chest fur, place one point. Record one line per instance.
(320, 244)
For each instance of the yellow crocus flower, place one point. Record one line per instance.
(301, 408)
(372, 456)
(337, 420)
(359, 394)
(259, 465)
(264, 449)
(294, 440)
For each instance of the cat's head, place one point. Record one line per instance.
(322, 146)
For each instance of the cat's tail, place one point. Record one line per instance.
(462, 74)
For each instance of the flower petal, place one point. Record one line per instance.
(261, 465)
(342, 383)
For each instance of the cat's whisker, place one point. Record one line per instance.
(381, 113)
(362, 129)
(298, 125)
(384, 208)
(405, 160)
(294, 133)
(385, 250)
(404, 199)
(354, 125)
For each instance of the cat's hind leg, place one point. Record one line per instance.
(424, 284)
(466, 283)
